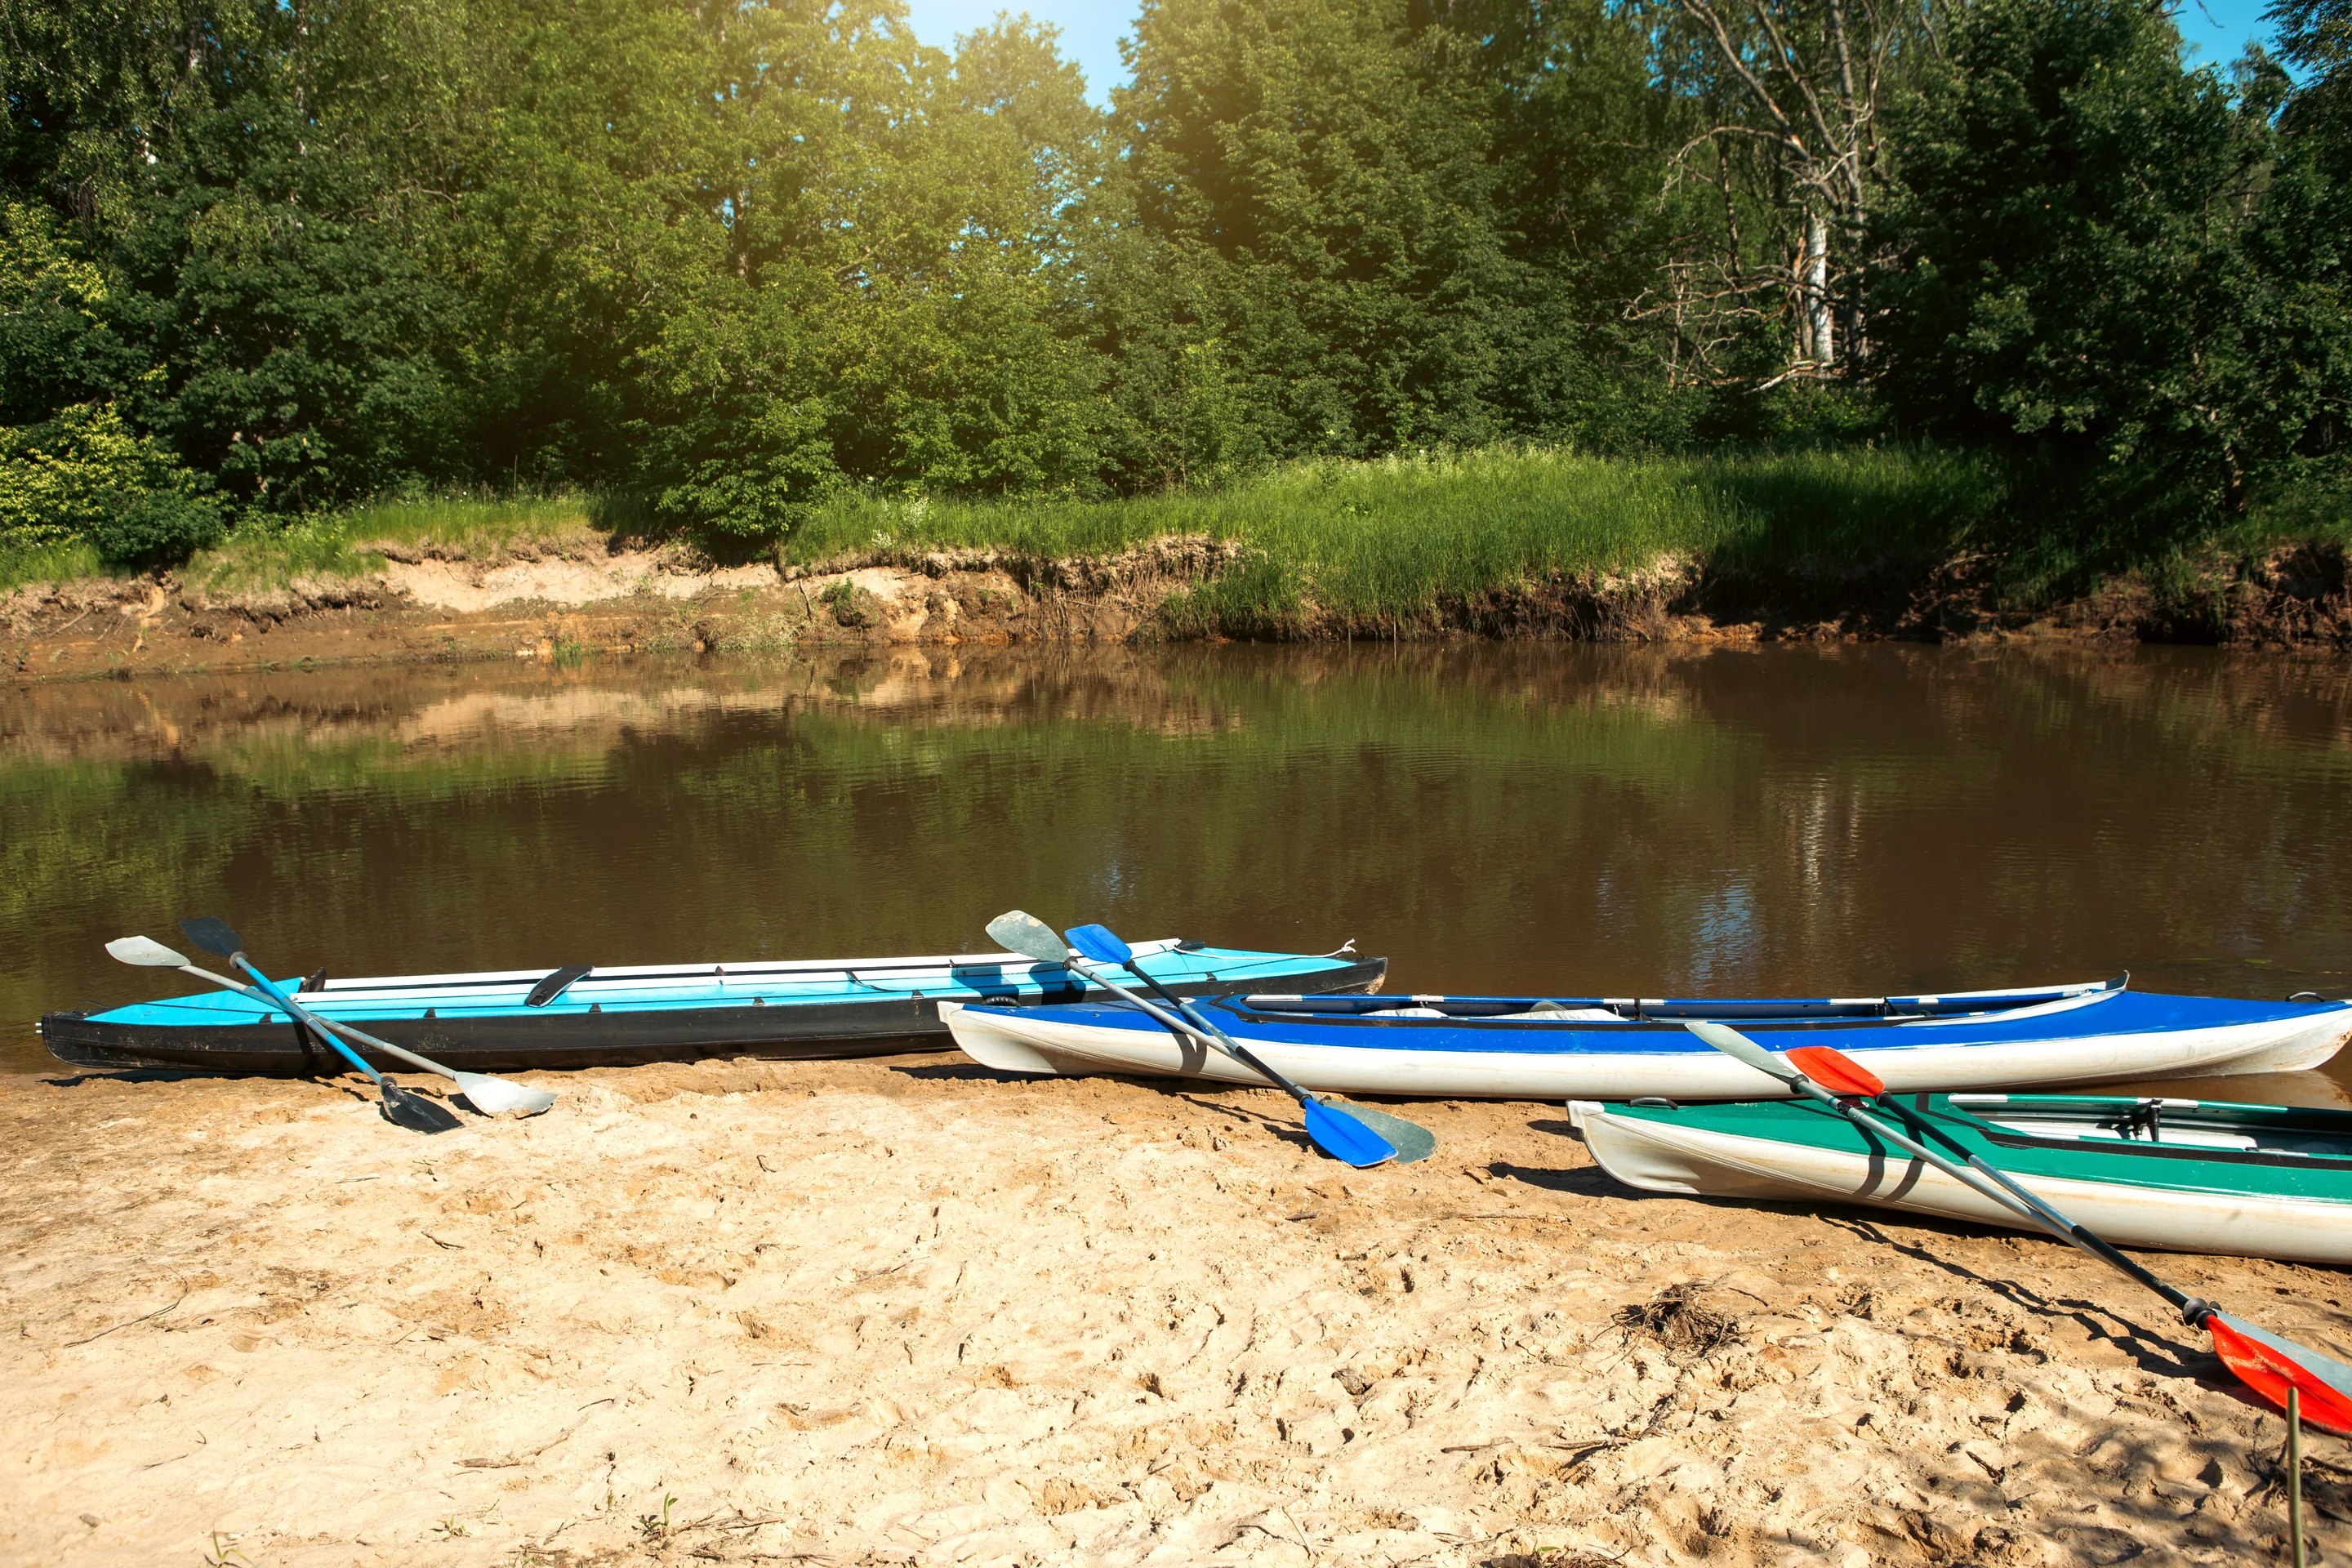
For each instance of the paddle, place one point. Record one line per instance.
(492, 1096)
(2271, 1366)
(401, 1106)
(1411, 1141)
(1334, 1131)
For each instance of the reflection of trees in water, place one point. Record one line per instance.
(1493, 817)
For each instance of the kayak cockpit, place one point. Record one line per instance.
(2153, 1123)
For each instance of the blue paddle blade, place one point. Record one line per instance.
(213, 934)
(1099, 943)
(1343, 1137)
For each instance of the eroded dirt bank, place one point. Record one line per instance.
(570, 596)
(901, 1311)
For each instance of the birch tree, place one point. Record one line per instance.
(1786, 98)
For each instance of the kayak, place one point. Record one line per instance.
(584, 1015)
(1624, 1047)
(2259, 1181)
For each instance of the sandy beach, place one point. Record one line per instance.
(898, 1311)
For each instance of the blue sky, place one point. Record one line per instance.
(2217, 29)
(1090, 34)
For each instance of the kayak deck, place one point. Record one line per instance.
(1553, 1010)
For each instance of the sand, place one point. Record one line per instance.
(901, 1311)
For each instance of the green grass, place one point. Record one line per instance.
(342, 544)
(1372, 545)
(2315, 512)
(1379, 545)
(489, 524)
(58, 562)
(266, 553)
(1382, 542)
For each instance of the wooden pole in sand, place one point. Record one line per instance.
(2294, 1472)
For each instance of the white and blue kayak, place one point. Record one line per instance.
(593, 1015)
(1628, 1047)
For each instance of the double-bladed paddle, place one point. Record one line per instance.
(2269, 1365)
(1354, 1134)
(1411, 1141)
(492, 1096)
(401, 1107)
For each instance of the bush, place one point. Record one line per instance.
(159, 527)
(83, 475)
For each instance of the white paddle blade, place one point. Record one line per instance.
(1025, 934)
(1739, 1047)
(496, 1096)
(146, 953)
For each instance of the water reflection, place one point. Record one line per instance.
(1775, 820)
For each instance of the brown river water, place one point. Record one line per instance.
(1753, 821)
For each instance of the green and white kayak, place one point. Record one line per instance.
(2260, 1181)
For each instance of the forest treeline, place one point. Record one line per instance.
(260, 258)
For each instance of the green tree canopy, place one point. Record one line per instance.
(261, 257)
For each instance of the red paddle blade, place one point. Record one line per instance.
(1836, 1071)
(2269, 1365)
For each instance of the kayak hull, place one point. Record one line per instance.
(2292, 1207)
(2090, 1036)
(615, 1017)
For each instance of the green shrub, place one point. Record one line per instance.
(160, 526)
(83, 475)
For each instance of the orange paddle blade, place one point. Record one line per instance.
(2268, 1366)
(1835, 1071)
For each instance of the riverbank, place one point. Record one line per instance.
(904, 1312)
(1848, 545)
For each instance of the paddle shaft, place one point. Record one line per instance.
(1992, 1183)
(1184, 1027)
(1223, 1041)
(424, 1064)
(327, 1029)
(2262, 1361)
(2294, 1472)
(278, 999)
(2192, 1309)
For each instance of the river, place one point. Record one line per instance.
(1493, 817)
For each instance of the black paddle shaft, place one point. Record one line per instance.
(2192, 1310)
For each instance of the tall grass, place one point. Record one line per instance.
(1384, 540)
(54, 562)
(1387, 539)
(1373, 542)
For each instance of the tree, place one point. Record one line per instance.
(848, 267)
(2303, 244)
(2066, 277)
(1582, 133)
(1783, 101)
(1317, 175)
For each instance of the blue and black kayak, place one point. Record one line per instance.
(584, 1015)
(1623, 1047)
